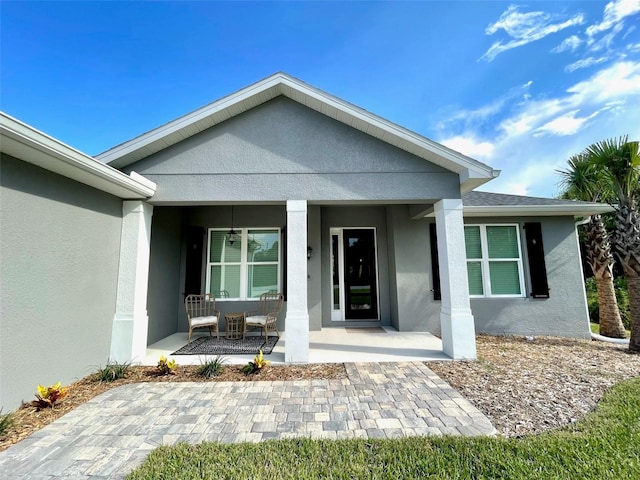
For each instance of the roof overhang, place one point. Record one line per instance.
(472, 172)
(30, 145)
(580, 210)
(576, 211)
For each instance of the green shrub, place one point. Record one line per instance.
(212, 368)
(622, 296)
(113, 371)
(6, 421)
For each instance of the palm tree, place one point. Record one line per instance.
(581, 182)
(618, 161)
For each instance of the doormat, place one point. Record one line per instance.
(365, 330)
(224, 346)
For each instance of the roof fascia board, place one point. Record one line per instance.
(470, 180)
(536, 210)
(112, 155)
(466, 165)
(576, 211)
(48, 153)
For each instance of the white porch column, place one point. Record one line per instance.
(456, 319)
(296, 325)
(130, 323)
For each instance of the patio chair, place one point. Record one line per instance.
(202, 313)
(266, 317)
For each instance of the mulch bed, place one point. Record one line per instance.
(524, 387)
(529, 387)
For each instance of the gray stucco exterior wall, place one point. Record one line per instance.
(282, 150)
(564, 313)
(166, 271)
(59, 253)
(410, 277)
(314, 267)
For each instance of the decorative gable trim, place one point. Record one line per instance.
(472, 173)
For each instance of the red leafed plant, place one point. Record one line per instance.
(47, 397)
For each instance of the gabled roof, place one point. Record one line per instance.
(482, 204)
(472, 172)
(30, 145)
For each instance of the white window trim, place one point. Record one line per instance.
(485, 260)
(244, 263)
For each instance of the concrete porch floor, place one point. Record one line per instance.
(329, 345)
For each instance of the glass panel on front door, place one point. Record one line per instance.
(360, 280)
(335, 272)
(354, 287)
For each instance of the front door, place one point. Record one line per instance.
(354, 274)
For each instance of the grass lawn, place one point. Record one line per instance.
(595, 328)
(605, 445)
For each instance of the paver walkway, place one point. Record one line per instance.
(112, 434)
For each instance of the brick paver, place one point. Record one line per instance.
(110, 435)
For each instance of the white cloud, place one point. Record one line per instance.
(469, 146)
(525, 180)
(629, 31)
(568, 44)
(614, 12)
(600, 36)
(525, 28)
(584, 63)
(486, 112)
(566, 124)
(605, 42)
(613, 83)
(618, 80)
(530, 117)
(536, 137)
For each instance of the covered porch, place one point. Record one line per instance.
(177, 254)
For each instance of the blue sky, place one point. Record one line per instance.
(520, 86)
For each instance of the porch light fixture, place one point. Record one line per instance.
(232, 235)
(309, 252)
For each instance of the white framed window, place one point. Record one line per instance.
(245, 269)
(494, 260)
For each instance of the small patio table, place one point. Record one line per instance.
(235, 325)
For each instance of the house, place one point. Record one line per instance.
(359, 221)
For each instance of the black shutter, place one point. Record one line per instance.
(193, 262)
(283, 237)
(435, 264)
(537, 267)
